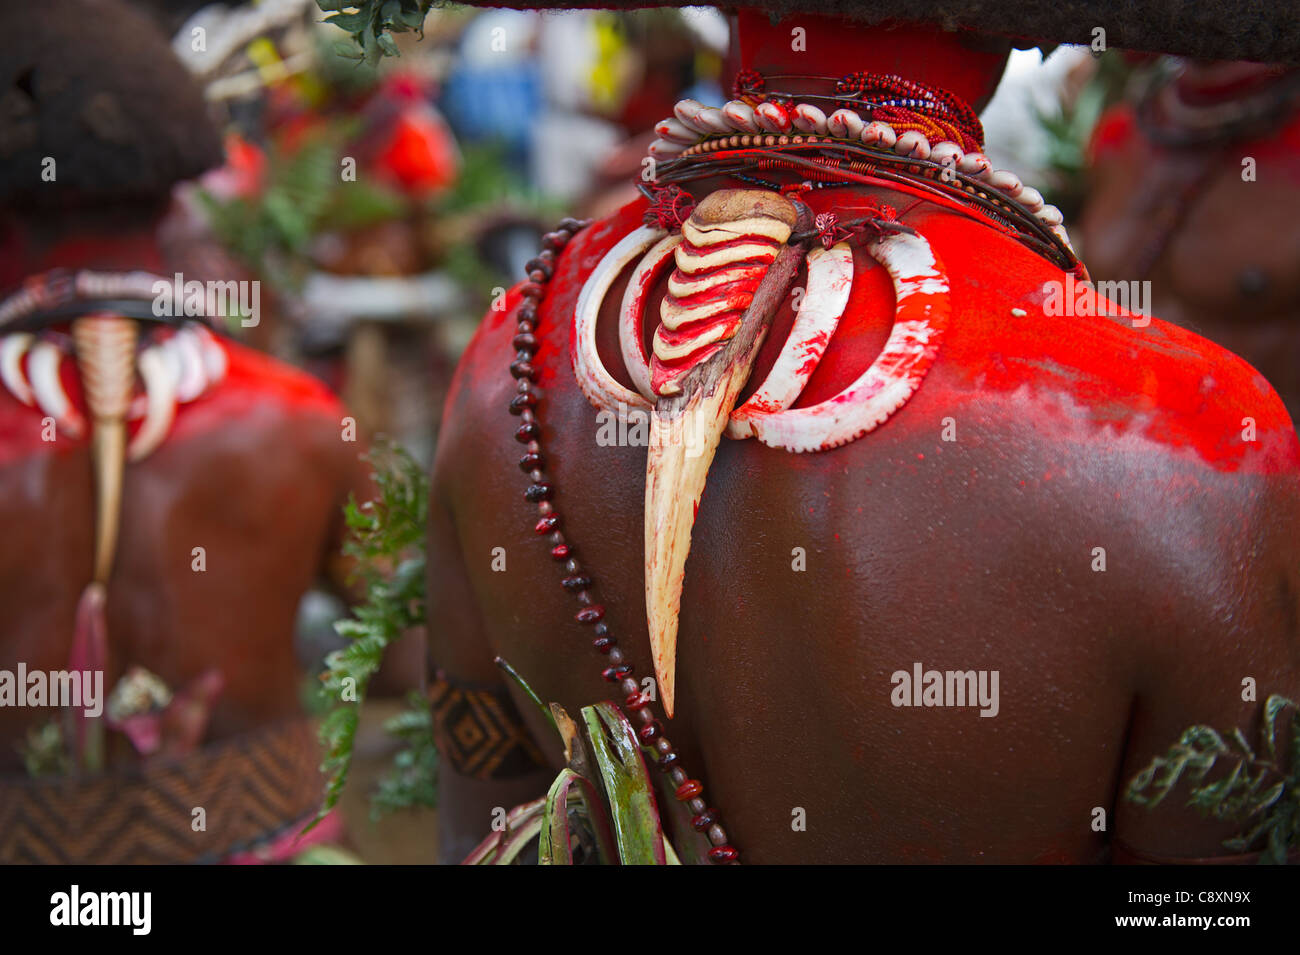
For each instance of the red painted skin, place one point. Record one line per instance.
(254, 471)
(1072, 433)
(1233, 233)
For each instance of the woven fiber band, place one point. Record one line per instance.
(251, 787)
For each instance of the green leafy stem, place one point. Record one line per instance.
(600, 810)
(386, 537)
(1261, 790)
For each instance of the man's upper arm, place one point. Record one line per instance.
(489, 760)
(1227, 651)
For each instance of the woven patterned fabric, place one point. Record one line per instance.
(251, 788)
(480, 733)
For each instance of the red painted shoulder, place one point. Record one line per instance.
(1021, 325)
(253, 381)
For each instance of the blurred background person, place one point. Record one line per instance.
(167, 495)
(1195, 187)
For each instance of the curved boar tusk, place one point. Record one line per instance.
(159, 372)
(830, 278)
(193, 379)
(595, 380)
(43, 372)
(12, 349)
(215, 361)
(921, 315)
(630, 340)
(213, 366)
(697, 371)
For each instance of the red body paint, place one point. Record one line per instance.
(1160, 382)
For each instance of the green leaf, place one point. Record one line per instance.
(347, 49)
(623, 772)
(412, 19)
(523, 825)
(370, 47)
(1268, 799)
(412, 781)
(573, 796)
(387, 44)
(671, 853)
(326, 855)
(351, 22)
(1240, 739)
(542, 708)
(1273, 707)
(1275, 853)
(383, 533)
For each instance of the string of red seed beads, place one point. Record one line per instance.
(577, 580)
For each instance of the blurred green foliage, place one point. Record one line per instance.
(371, 25)
(386, 536)
(303, 196)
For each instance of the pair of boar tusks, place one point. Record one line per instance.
(729, 282)
(177, 369)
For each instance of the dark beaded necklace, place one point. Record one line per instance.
(577, 580)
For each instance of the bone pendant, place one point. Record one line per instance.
(105, 347)
(727, 243)
(733, 270)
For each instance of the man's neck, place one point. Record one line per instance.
(25, 252)
(965, 64)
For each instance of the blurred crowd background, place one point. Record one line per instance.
(381, 204)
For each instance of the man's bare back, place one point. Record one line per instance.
(1073, 444)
